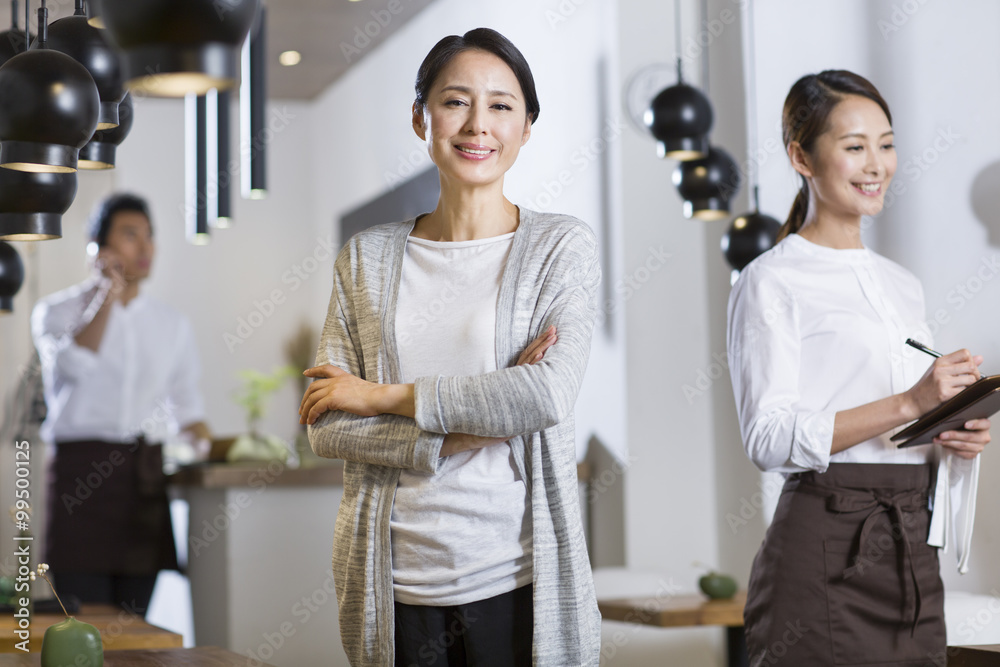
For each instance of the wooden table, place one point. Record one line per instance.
(680, 611)
(205, 656)
(974, 656)
(119, 630)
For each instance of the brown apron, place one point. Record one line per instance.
(845, 575)
(108, 511)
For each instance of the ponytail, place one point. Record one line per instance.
(797, 214)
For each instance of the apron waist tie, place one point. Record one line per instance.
(853, 500)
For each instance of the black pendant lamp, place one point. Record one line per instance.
(32, 204)
(49, 106)
(680, 117)
(708, 184)
(748, 236)
(253, 100)
(201, 161)
(94, 17)
(224, 173)
(99, 153)
(11, 276)
(86, 44)
(753, 233)
(175, 47)
(12, 41)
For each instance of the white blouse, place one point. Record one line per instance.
(815, 330)
(143, 378)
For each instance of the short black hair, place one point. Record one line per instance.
(100, 219)
(482, 39)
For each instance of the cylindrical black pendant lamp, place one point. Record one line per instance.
(175, 47)
(253, 121)
(86, 45)
(49, 106)
(12, 41)
(11, 276)
(226, 170)
(32, 204)
(99, 153)
(707, 185)
(94, 16)
(201, 143)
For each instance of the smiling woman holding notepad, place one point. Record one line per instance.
(823, 379)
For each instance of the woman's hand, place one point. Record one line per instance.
(967, 443)
(946, 377)
(537, 348)
(337, 390)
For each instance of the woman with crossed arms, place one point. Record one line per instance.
(459, 539)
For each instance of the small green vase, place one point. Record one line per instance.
(72, 644)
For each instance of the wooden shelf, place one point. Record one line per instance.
(119, 630)
(205, 656)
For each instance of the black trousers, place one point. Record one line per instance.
(495, 632)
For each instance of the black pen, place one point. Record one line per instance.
(922, 347)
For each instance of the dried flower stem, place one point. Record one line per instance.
(43, 576)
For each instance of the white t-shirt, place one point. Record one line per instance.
(815, 330)
(463, 534)
(143, 378)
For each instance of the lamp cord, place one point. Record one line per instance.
(677, 40)
(750, 75)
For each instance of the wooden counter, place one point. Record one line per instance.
(206, 656)
(228, 475)
(675, 611)
(257, 475)
(974, 656)
(119, 630)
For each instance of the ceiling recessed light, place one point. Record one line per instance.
(289, 58)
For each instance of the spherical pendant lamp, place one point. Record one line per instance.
(32, 204)
(99, 153)
(174, 47)
(75, 37)
(48, 108)
(708, 184)
(680, 117)
(749, 235)
(94, 16)
(11, 276)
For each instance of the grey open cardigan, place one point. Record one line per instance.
(551, 277)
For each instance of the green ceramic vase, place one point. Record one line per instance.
(72, 644)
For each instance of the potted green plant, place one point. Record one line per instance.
(252, 395)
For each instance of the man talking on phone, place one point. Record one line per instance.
(120, 371)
